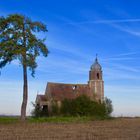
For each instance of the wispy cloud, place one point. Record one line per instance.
(106, 21)
(126, 54)
(127, 30)
(113, 22)
(68, 65)
(117, 68)
(112, 74)
(69, 48)
(126, 68)
(118, 59)
(122, 57)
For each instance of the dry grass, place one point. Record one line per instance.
(117, 129)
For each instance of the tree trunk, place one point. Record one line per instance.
(25, 94)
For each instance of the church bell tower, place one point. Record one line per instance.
(96, 83)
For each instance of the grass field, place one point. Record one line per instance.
(74, 129)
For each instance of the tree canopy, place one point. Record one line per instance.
(18, 40)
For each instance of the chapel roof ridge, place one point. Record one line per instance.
(55, 83)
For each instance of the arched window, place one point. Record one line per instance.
(98, 76)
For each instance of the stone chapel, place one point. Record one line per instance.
(56, 92)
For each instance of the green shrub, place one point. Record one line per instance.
(108, 106)
(66, 107)
(38, 111)
(55, 109)
(82, 106)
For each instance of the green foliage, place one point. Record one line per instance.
(61, 119)
(18, 40)
(82, 106)
(54, 119)
(38, 111)
(8, 119)
(79, 107)
(67, 107)
(108, 105)
(55, 109)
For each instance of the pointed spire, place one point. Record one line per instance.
(96, 59)
(96, 64)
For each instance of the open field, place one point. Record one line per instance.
(115, 129)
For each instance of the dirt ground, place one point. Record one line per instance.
(118, 129)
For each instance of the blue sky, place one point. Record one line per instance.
(78, 29)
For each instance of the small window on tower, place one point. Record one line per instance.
(97, 75)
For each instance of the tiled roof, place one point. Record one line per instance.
(60, 91)
(41, 98)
